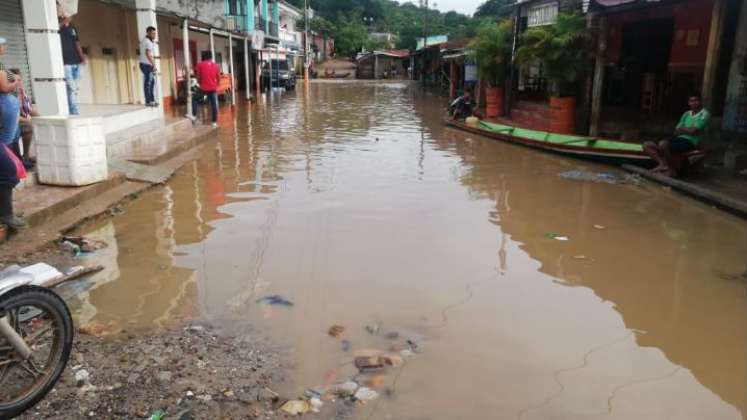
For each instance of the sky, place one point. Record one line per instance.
(467, 7)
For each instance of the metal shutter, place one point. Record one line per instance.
(11, 28)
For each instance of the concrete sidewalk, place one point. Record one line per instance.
(52, 210)
(719, 187)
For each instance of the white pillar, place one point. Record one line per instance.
(146, 16)
(212, 45)
(45, 60)
(246, 70)
(231, 69)
(187, 65)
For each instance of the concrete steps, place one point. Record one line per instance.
(141, 156)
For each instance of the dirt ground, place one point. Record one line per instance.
(195, 372)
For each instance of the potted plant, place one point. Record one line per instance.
(561, 48)
(492, 51)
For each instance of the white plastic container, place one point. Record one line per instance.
(71, 151)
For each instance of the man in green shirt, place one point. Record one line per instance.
(688, 135)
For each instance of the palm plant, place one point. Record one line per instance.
(492, 50)
(560, 47)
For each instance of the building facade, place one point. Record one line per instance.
(646, 58)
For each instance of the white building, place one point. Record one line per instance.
(111, 91)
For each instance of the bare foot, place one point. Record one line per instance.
(660, 168)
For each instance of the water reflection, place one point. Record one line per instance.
(354, 202)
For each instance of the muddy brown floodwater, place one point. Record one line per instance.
(353, 202)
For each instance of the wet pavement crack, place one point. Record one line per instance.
(643, 381)
(557, 373)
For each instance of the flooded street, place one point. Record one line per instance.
(353, 202)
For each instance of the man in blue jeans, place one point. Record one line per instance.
(148, 65)
(73, 58)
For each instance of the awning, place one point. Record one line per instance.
(453, 56)
(613, 3)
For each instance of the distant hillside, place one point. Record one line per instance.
(349, 20)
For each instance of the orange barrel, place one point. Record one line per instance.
(494, 101)
(563, 115)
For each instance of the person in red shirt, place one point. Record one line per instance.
(207, 74)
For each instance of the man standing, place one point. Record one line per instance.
(687, 136)
(73, 58)
(208, 76)
(148, 65)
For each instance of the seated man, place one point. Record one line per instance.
(463, 106)
(687, 136)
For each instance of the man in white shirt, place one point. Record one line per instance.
(148, 65)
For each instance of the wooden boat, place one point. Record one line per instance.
(590, 148)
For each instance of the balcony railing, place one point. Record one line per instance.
(290, 39)
(236, 23)
(273, 29)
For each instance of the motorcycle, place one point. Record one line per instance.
(36, 337)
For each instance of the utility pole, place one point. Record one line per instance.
(306, 39)
(424, 3)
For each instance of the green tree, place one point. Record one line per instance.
(351, 35)
(562, 49)
(494, 9)
(492, 50)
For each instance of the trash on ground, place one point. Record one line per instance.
(336, 331)
(82, 377)
(579, 175)
(365, 394)
(367, 353)
(374, 329)
(392, 359)
(406, 353)
(96, 329)
(295, 407)
(368, 364)
(275, 300)
(345, 345)
(583, 258)
(315, 404)
(313, 393)
(345, 389)
(556, 236)
(157, 415)
(375, 381)
(600, 227)
(85, 244)
(392, 335)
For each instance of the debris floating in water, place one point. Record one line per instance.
(579, 175)
(556, 236)
(275, 300)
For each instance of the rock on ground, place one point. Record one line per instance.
(188, 373)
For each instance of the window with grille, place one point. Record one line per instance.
(542, 14)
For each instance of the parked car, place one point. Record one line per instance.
(282, 74)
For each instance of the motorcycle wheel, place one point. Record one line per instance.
(43, 319)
